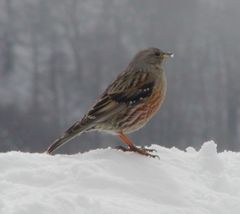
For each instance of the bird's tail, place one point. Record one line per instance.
(76, 129)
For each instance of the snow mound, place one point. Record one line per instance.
(109, 181)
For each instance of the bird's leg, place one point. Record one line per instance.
(132, 147)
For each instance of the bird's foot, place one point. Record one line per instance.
(148, 150)
(122, 148)
(145, 151)
(141, 151)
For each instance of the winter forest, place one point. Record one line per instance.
(57, 57)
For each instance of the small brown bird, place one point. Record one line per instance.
(128, 103)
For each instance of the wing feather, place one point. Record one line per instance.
(124, 91)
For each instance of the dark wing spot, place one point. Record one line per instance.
(157, 53)
(133, 98)
(119, 97)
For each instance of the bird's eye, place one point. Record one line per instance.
(157, 53)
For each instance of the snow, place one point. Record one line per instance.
(110, 181)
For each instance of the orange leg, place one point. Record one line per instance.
(132, 147)
(126, 140)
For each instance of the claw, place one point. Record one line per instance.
(141, 151)
(148, 150)
(154, 156)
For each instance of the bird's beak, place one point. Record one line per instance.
(167, 55)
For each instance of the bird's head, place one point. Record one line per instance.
(150, 56)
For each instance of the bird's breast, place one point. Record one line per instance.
(154, 102)
(138, 115)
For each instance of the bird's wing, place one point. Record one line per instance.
(124, 91)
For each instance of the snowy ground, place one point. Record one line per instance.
(107, 181)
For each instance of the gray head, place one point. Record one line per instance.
(150, 56)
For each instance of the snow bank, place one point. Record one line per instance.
(111, 182)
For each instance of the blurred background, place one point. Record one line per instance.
(57, 56)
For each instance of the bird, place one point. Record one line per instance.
(127, 104)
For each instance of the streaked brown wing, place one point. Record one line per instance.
(134, 96)
(127, 81)
(122, 93)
